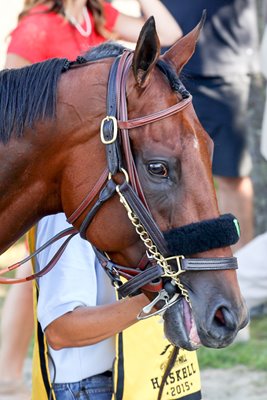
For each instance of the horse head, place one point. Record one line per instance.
(173, 157)
(154, 209)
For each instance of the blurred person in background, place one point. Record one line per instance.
(263, 64)
(218, 76)
(252, 273)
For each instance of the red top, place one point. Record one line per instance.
(41, 35)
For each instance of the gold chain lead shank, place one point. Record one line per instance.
(163, 262)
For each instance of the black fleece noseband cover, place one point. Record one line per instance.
(202, 236)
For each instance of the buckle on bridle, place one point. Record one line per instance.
(178, 260)
(115, 130)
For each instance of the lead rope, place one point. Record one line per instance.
(70, 232)
(168, 369)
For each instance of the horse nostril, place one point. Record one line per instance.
(219, 317)
(224, 317)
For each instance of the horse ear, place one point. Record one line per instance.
(146, 52)
(181, 52)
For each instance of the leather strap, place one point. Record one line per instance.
(148, 279)
(106, 193)
(147, 119)
(69, 231)
(89, 198)
(209, 264)
(122, 113)
(152, 277)
(143, 279)
(145, 217)
(109, 128)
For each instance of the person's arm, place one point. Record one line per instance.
(89, 325)
(128, 28)
(77, 304)
(15, 61)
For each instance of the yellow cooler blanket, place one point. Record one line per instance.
(142, 356)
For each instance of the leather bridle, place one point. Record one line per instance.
(157, 272)
(114, 135)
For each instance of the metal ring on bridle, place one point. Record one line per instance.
(115, 130)
(125, 173)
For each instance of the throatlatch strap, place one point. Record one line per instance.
(106, 193)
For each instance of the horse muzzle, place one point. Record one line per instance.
(216, 327)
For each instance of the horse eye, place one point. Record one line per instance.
(158, 169)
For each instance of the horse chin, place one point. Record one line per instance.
(180, 327)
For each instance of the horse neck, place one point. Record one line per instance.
(52, 168)
(29, 188)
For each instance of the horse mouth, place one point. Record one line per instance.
(180, 327)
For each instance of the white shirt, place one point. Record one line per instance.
(76, 280)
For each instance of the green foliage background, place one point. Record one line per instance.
(252, 354)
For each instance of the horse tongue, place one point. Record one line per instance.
(190, 324)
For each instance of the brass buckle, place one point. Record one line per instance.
(115, 130)
(178, 259)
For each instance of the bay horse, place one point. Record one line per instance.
(112, 140)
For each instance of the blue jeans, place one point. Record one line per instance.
(98, 387)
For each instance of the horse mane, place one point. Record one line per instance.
(104, 50)
(113, 49)
(28, 94)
